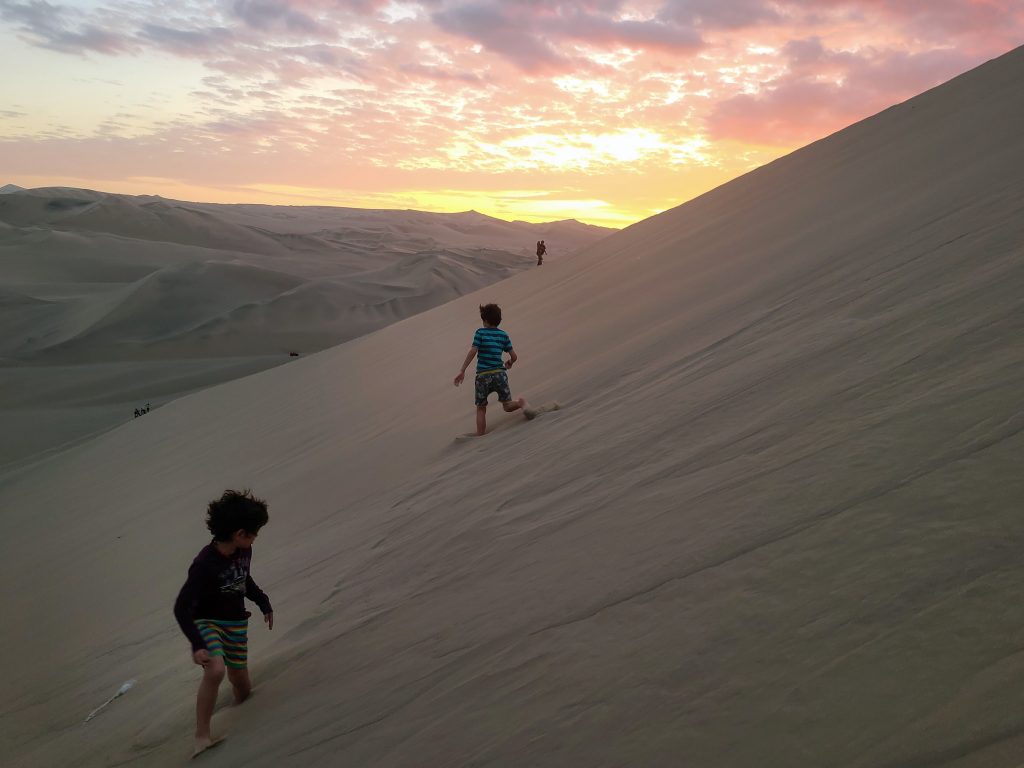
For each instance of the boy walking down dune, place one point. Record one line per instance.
(489, 343)
(210, 608)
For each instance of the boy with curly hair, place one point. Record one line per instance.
(210, 608)
(489, 343)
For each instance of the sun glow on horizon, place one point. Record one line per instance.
(615, 110)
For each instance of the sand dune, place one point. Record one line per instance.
(90, 278)
(775, 523)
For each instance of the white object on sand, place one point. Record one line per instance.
(125, 687)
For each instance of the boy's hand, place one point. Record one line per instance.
(508, 364)
(201, 657)
(459, 378)
(269, 619)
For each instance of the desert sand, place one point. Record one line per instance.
(109, 302)
(776, 522)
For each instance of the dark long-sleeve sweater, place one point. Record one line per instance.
(216, 588)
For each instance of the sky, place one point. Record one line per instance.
(605, 111)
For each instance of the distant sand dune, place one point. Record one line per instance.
(91, 278)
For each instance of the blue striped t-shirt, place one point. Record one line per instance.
(490, 343)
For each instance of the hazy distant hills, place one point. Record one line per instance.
(90, 278)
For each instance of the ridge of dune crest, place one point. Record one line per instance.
(775, 522)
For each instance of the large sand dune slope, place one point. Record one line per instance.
(777, 522)
(129, 300)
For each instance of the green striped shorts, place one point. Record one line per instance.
(227, 639)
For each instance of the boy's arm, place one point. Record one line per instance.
(512, 356)
(257, 595)
(465, 364)
(185, 606)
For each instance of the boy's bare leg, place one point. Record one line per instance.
(240, 684)
(515, 405)
(206, 700)
(481, 419)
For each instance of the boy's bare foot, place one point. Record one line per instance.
(204, 743)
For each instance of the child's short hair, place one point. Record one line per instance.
(490, 314)
(235, 511)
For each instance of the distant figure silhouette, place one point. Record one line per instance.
(137, 413)
(541, 250)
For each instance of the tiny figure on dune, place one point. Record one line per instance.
(489, 343)
(541, 250)
(137, 413)
(210, 608)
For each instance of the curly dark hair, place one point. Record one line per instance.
(490, 314)
(236, 511)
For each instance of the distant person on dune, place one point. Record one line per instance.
(541, 250)
(489, 343)
(210, 608)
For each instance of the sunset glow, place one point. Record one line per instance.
(601, 110)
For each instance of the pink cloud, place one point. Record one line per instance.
(442, 74)
(715, 14)
(979, 25)
(824, 90)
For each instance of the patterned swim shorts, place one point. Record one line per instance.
(492, 381)
(227, 639)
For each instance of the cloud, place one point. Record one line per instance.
(717, 14)
(303, 91)
(536, 37)
(650, 34)
(437, 73)
(824, 90)
(274, 14)
(973, 25)
(513, 36)
(56, 28)
(188, 42)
